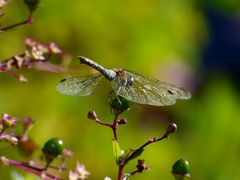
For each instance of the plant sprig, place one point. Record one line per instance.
(118, 106)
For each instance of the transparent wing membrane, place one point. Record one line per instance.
(147, 90)
(130, 85)
(81, 85)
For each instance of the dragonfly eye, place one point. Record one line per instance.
(118, 71)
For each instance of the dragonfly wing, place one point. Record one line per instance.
(147, 90)
(81, 86)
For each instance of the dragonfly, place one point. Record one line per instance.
(135, 87)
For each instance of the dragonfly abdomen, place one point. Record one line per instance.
(109, 74)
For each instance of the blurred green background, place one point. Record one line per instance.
(172, 40)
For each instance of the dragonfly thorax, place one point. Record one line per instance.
(123, 79)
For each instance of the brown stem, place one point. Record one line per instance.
(10, 72)
(131, 173)
(114, 127)
(31, 169)
(27, 21)
(120, 171)
(114, 133)
(153, 140)
(103, 123)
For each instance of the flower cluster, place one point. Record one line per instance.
(51, 150)
(80, 172)
(14, 131)
(36, 55)
(8, 133)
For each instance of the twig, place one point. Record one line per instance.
(34, 170)
(27, 21)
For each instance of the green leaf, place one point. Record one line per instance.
(116, 150)
(136, 153)
(131, 154)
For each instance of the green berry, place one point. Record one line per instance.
(181, 168)
(52, 148)
(119, 104)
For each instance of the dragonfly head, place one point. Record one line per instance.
(119, 72)
(124, 78)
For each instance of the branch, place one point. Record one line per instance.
(34, 170)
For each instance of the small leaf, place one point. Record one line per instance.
(136, 153)
(131, 154)
(116, 150)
